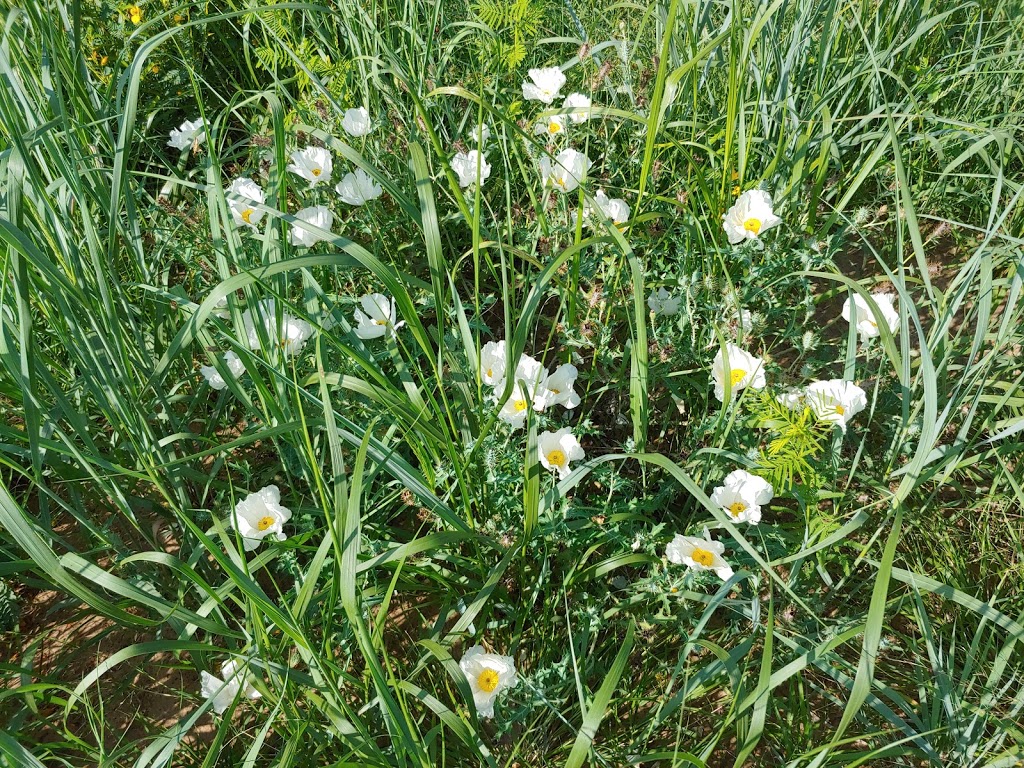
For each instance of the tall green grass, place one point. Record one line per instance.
(876, 624)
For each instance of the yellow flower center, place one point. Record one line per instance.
(265, 522)
(703, 557)
(246, 214)
(554, 127)
(487, 681)
(737, 508)
(560, 182)
(752, 225)
(490, 373)
(840, 410)
(380, 322)
(519, 405)
(557, 458)
(554, 391)
(736, 375)
(317, 171)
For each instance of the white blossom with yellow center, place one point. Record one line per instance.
(289, 334)
(566, 172)
(750, 216)
(836, 401)
(580, 106)
(866, 319)
(189, 135)
(558, 388)
(243, 196)
(557, 450)
(742, 495)
(488, 674)
(740, 368)
(699, 554)
(213, 377)
(377, 316)
(356, 122)
(314, 164)
(544, 85)
(614, 208)
(551, 127)
(259, 515)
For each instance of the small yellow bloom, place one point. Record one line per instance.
(155, 69)
(103, 61)
(135, 14)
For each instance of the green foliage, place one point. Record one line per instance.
(514, 24)
(795, 444)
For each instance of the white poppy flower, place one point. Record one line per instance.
(546, 86)
(557, 449)
(557, 388)
(247, 194)
(613, 208)
(749, 216)
(580, 105)
(515, 409)
(867, 327)
(357, 122)
(291, 335)
(745, 370)
(234, 365)
(742, 495)
(551, 127)
(189, 134)
(663, 303)
(319, 216)
(222, 692)
(358, 187)
(314, 164)
(466, 166)
(488, 674)
(567, 172)
(220, 309)
(259, 515)
(492, 362)
(792, 398)
(377, 316)
(480, 134)
(835, 400)
(699, 554)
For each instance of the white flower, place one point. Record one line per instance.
(866, 325)
(358, 188)
(488, 674)
(189, 134)
(835, 400)
(357, 122)
(467, 164)
(742, 495)
(377, 316)
(290, 335)
(663, 303)
(792, 398)
(557, 388)
(557, 449)
(613, 208)
(220, 309)
(580, 105)
(567, 172)
(314, 164)
(222, 692)
(234, 365)
(546, 86)
(481, 134)
(259, 515)
(492, 362)
(318, 216)
(551, 127)
(749, 216)
(699, 554)
(514, 411)
(247, 193)
(532, 375)
(745, 370)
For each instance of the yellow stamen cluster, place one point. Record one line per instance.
(556, 458)
(737, 508)
(265, 522)
(703, 557)
(752, 225)
(487, 680)
(736, 375)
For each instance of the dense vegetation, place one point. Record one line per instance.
(645, 387)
